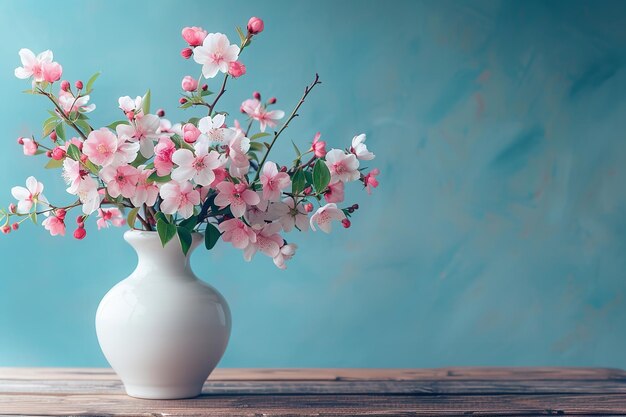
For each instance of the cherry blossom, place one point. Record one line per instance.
(273, 181)
(129, 105)
(215, 54)
(335, 193)
(318, 146)
(88, 195)
(145, 130)
(324, 216)
(197, 167)
(163, 156)
(52, 71)
(179, 198)
(286, 252)
(194, 35)
(35, 66)
(360, 149)
(237, 196)
(70, 104)
(237, 151)
(29, 197)
(55, 225)
(268, 241)
(108, 216)
(214, 131)
(73, 174)
(237, 233)
(296, 216)
(370, 180)
(121, 180)
(343, 167)
(30, 146)
(146, 191)
(103, 148)
(255, 109)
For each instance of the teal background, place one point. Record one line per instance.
(497, 236)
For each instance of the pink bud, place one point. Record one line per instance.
(80, 233)
(60, 213)
(20, 141)
(79, 85)
(272, 100)
(236, 69)
(15, 226)
(30, 146)
(160, 113)
(255, 25)
(6, 229)
(355, 206)
(12, 208)
(49, 154)
(52, 71)
(65, 85)
(130, 115)
(190, 133)
(346, 223)
(58, 153)
(283, 169)
(186, 53)
(308, 207)
(307, 190)
(189, 83)
(205, 87)
(194, 35)
(53, 136)
(80, 219)
(83, 158)
(182, 100)
(256, 95)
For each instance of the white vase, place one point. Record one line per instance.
(162, 329)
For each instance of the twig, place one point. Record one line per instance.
(62, 112)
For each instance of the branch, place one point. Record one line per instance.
(62, 112)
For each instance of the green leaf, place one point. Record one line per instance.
(166, 231)
(185, 239)
(204, 93)
(160, 215)
(267, 145)
(60, 129)
(114, 125)
(189, 223)
(211, 236)
(53, 163)
(296, 149)
(309, 177)
(33, 217)
(256, 146)
(139, 160)
(73, 152)
(145, 104)
(242, 36)
(132, 217)
(91, 81)
(91, 166)
(83, 125)
(321, 176)
(298, 182)
(155, 178)
(259, 135)
(49, 125)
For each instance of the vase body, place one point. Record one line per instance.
(162, 329)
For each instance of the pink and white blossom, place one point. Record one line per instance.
(70, 104)
(103, 148)
(255, 109)
(318, 146)
(144, 130)
(163, 156)
(370, 180)
(29, 197)
(55, 225)
(268, 241)
(214, 130)
(146, 191)
(73, 173)
(236, 69)
(237, 233)
(197, 167)
(33, 65)
(296, 216)
(237, 152)
(121, 180)
(335, 192)
(324, 216)
(128, 104)
(359, 148)
(287, 251)
(273, 181)
(110, 216)
(52, 72)
(89, 195)
(29, 146)
(194, 35)
(189, 83)
(343, 167)
(237, 196)
(179, 198)
(215, 54)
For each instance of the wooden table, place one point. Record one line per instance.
(280, 392)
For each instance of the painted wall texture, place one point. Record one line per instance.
(497, 236)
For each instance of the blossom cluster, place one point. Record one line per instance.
(205, 174)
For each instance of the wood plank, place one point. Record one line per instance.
(282, 405)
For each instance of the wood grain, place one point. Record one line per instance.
(281, 392)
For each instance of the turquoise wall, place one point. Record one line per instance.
(497, 236)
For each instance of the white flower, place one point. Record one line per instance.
(198, 166)
(343, 167)
(325, 215)
(215, 54)
(359, 148)
(29, 197)
(32, 66)
(212, 130)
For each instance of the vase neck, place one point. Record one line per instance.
(157, 261)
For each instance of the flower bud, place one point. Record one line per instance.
(236, 69)
(308, 207)
(186, 53)
(307, 190)
(283, 169)
(350, 210)
(189, 83)
(130, 115)
(190, 133)
(346, 223)
(20, 141)
(12, 208)
(30, 146)
(53, 136)
(6, 229)
(272, 100)
(160, 113)
(65, 85)
(49, 154)
(83, 158)
(60, 214)
(15, 226)
(205, 87)
(255, 25)
(58, 153)
(52, 71)
(79, 85)
(182, 100)
(194, 36)
(256, 95)
(80, 233)
(80, 220)
(355, 206)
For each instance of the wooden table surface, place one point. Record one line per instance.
(280, 392)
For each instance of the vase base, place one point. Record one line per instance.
(162, 393)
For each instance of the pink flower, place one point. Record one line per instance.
(335, 193)
(286, 252)
(120, 180)
(179, 198)
(55, 225)
(198, 167)
(29, 197)
(220, 175)
(255, 25)
(256, 110)
(52, 71)
(33, 66)
(70, 104)
(30, 147)
(213, 129)
(103, 148)
(237, 151)
(237, 233)
(144, 130)
(296, 216)
(73, 174)
(190, 133)
(128, 105)
(325, 215)
(236, 69)
(273, 181)
(163, 156)
(146, 192)
(268, 241)
(110, 216)
(319, 146)
(186, 53)
(370, 180)
(194, 35)
(237, 196)
(360, 149)
(88, 195)
(189, 83)
(343, 167)
(215, 54)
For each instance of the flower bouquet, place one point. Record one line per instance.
(203, 176)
